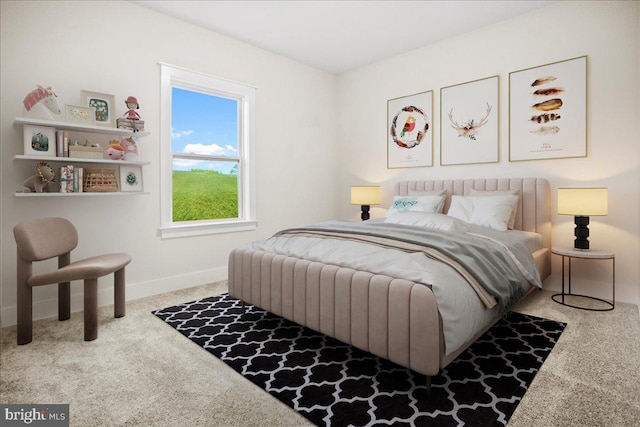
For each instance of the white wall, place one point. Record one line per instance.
(115, 47)
(609, 33)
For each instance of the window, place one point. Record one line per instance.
(206, 169)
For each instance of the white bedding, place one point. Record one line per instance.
(463, 314)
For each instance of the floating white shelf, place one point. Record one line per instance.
(87, 194)
(79, 127)
(78, 160)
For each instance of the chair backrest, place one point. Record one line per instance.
(44, 238)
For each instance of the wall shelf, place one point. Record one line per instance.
(84, 194)
(76, 127)
(78, 160)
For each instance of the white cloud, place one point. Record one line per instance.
(209, 150)
(176, 135)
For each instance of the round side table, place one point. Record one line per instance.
(569, 254)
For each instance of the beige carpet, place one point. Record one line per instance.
(141, 372)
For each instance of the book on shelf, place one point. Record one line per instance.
(62, 143)
(59, 143)
(75, 180)
(70, 169)
(80, 179)
(63, 179)
(64, 152)
(71, 179)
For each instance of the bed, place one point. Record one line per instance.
(414, 310)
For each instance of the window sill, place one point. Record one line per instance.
(203, 229)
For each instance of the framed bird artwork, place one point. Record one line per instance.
(410, 131)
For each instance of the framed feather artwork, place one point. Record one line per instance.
(410, 131)
(548, 111)
(469, 122)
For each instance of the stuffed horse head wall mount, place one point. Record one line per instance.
(41, 103)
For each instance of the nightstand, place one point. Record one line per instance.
(569, 254)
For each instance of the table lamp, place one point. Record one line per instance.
(582, 203)
(365, 196)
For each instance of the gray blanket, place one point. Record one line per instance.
(483, 259)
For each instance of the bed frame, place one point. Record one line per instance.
(395, 319)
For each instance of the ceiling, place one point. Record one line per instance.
(338, 36)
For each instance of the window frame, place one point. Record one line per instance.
(173, 76)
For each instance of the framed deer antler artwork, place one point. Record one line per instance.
(410, 131)
(469, 122)
(548, 111)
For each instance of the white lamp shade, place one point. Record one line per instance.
(365, 195)
(582, 201)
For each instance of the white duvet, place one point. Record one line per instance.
(463, 314)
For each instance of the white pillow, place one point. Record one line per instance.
(428, 220)
(461, 207)
(492, 193)
(430, 193)
(493, 212)
(415, 204)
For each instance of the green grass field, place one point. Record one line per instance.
(204, 194)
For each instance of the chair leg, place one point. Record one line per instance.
(90, 309)
(25, 313)
(119, 293)
(64, 290)
(64, 301)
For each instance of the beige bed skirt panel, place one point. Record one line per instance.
(542, 259)
(392, 318)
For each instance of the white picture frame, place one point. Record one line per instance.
(469, 122)
(105, 114)
(39, 141)
(548, 111)
(80, 114)
(410, 131)
(131, 178)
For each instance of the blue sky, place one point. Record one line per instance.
(203, 124)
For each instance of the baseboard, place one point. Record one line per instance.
(49, 308)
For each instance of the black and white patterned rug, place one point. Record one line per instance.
(334, 384)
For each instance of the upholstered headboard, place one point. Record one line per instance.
(534, 211)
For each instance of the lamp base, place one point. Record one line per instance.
(581, 233)
(365, 212)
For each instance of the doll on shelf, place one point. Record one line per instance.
(132, 104)
(131, 119)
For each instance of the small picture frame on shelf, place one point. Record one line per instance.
(81, 115)
(104, 104)
(130, 178)
(39, 141)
